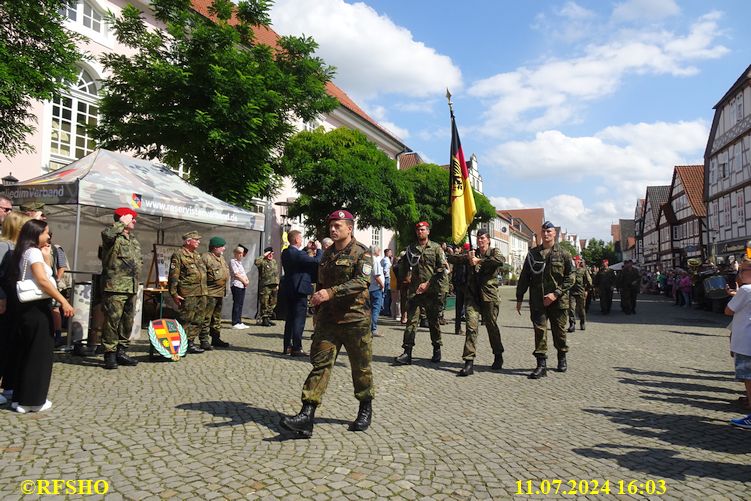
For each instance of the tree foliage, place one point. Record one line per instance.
(429, 185)
(342, 169)
(597, 250)
(37, 60)
(569, 247)
(203, 94)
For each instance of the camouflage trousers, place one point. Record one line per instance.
(576, 307)
(267, 299)
(212, 319)
(191, 315)
(558, 318)
(119, 309)
(328, 340)
(488, 311)
(432, 306)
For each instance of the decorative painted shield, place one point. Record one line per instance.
(168, 338)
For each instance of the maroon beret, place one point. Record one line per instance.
(340, 214)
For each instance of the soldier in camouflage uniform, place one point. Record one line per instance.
(604, 282)
(268, 285)
(578, 293)
(481, 297)
(342, 319)
(217, 276)
(548, 273)
(121, 268)
(423, 267)
(187, 286)
(629, 281)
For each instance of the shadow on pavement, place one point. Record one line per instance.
(720, 376)
(663, 463)
(701, 334)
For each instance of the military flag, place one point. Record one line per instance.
(463, 207)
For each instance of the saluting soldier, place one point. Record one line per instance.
(217, 276)
(342, 319)
(121, 269)
(482, 297)
(187, 286)
(579, 292)
(548, 273)
(423, 267)
(268, 285)
(604, 282)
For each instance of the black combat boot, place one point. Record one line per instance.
(110, 360)
(405, 358)
(497, 362)
(436, 354)
(468, 369)
(123, 358)
(364, 415)
(193, 349)
(562, 365)
(571, 325)
(582, 325)
(206, 345)
(541, 369)
(266, 322)
(301, 424)
(217, 342)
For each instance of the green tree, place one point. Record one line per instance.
(37, 60)
(342, 169)
(569, 247)
(203, 94)
(485, 210)
(597, 250)
(429, 184)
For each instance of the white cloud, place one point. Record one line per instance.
(372, 54)
(570, 23)
(399, 132)
(507, 203)
(620, 160)
(645, 10)
(550, 94)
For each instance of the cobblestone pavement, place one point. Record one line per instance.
(647, 397)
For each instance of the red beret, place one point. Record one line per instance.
(340, 214)
(466, 246)
(422, 223)
(125, 210)
(577, 258)
(605, 261)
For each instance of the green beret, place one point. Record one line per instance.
(217, 242)
(32, 206)
(192, 234)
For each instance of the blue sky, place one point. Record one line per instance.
(575, 106)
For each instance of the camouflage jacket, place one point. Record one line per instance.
(605, 279)
(543, 275)
(424, 264)
(217, 274)
(121, 260)
(583, 282)
(187, 274)
(268, 271)
(346, 275)
(482, 279)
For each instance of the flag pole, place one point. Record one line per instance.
(451, 105)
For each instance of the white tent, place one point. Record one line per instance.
(80, 199)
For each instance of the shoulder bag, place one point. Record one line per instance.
(27, 290)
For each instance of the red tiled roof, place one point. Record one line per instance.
(409, 160)
(533, 218)
(267, 36)
(692, 177)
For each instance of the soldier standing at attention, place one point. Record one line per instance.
(423, 270)
(482, 297)
(548, 273)
(604, 282)
(217, 276)
(121, 268)
(187, 286)
(579, 295)
(268, 285)
(342, 319)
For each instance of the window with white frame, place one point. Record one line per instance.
(84, 13)
(72, 114)
(375, 237)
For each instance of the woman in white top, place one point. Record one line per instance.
(34, 338)
(239, 284)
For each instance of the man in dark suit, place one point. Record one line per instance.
(300, 272)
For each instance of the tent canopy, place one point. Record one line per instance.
(110, 180)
